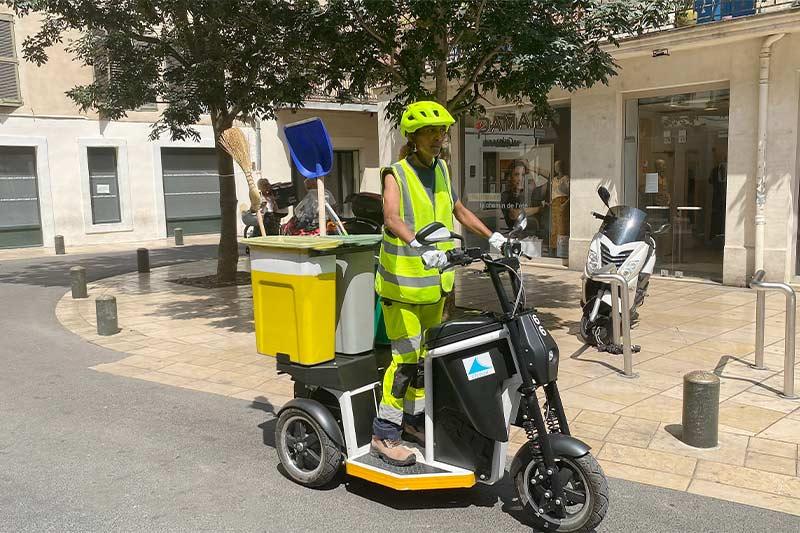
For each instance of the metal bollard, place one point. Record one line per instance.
(106, 309)
(178, 237)
(701, 409)
(143, 260)
(78, 281)
(761, 286)
(59, 242)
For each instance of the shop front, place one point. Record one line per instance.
(515, 162)
(675, 170)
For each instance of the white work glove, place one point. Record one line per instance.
(497, 240)
(434, 259)
(431, 258)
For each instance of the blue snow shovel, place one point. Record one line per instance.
(312, 153)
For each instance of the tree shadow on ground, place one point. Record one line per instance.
(54, 271)
(221, 308)
(542, 292)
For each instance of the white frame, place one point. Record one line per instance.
(43, 182)
(123, 186)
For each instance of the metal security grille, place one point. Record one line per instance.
(103, 184)
(191, 189)
(20, 222)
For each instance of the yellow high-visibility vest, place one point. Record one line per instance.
(401, 274)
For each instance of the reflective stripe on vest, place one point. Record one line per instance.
(401, 274)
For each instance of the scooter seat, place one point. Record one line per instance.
(456, 330)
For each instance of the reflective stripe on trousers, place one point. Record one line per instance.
(403, 383)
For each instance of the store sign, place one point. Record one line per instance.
(508, 122)
(505, 142)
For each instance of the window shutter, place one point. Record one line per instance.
(9, 77)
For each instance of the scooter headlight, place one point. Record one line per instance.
(628, 269)
(594, 260)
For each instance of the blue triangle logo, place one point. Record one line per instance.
(477, 367)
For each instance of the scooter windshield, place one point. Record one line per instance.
(624, 224)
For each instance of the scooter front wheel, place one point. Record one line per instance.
(306, 452)
(584, 501)
(587, 336)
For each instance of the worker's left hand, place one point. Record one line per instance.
(497, 240)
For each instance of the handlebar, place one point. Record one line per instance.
(595, 214)
(458, 256)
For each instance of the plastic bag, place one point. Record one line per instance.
(306, 211)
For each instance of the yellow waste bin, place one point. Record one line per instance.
(294, 297)
(310, 293)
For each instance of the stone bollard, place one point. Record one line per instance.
(59, 241)
(78, 281)
(700, 409)
(106, 308)
(143, 260)
(178, 237)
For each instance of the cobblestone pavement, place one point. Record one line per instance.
(203, 339)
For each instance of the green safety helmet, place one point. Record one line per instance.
(424, 113)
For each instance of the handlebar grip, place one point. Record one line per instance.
(595, 214)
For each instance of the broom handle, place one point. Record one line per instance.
(260, 218)
(321, 207)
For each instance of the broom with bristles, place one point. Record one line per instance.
(234, 141)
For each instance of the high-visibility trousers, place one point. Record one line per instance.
(403, 383)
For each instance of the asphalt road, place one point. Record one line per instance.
(86, 451)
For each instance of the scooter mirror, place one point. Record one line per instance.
(604, 195)
(433, 233)
(663, 229)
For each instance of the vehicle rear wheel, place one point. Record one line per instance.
(309, 456)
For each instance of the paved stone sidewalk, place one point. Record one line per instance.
(203, 340)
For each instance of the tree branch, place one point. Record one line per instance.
(455, 41)
(476, 72)
(367, 29)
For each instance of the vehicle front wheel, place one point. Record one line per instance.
(309, 456)
(584, 500)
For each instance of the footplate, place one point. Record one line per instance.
(420, 476)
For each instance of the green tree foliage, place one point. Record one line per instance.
(463, 52)
(229, 59)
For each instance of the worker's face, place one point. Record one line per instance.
(429, 140)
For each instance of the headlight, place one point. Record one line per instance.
(594, 260)
(628, 269)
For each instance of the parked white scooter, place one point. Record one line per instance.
(624, 244)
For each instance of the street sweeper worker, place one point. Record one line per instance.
(416, 192)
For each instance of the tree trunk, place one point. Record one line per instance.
(441, 97)
(228, 250)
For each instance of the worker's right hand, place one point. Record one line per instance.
(434, 259)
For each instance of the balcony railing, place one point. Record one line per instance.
(321, 95)
(697, 12)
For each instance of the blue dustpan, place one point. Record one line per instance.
(310, 146)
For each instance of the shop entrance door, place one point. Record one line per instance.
(682, 177)
(20, 221)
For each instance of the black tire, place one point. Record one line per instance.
(586, 332)
(317, 461)
(586, 480)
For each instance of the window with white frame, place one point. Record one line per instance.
(104, 184)
(9, 74)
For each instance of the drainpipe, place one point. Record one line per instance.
(257, 128)
(761, 168)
